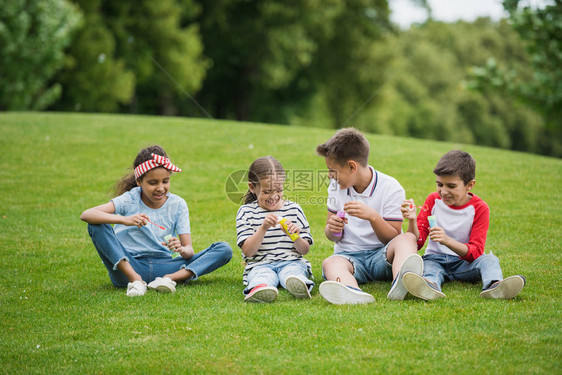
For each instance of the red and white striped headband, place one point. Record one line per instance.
(157, 161)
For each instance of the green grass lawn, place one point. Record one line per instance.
(60, 313)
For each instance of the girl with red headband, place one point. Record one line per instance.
(151, 228)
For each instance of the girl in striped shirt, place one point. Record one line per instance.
(272, 257)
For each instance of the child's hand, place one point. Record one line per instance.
(336, 223)
(173, 244)
(137, 220)
(359, 209)
(292, 228)
(437, 234)
(269, 221)
(407, 212)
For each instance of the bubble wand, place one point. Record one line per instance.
(159, 226)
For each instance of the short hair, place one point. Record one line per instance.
(347, 144)
(456, 163)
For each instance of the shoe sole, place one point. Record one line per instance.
(262, 296)
(417, 286)
(165, 289)
(297, 287)
(339, 294)
(507, 288)
(414, 264)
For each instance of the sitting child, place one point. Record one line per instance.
(272, 248)
(457, 238)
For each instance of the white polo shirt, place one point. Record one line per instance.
(384, 194)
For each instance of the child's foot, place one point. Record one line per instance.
(136, 288)
(506, 288)
(413, 263)
(262, 293)
(297, 287)
(339, 294)
(163, 284)
(421, 287)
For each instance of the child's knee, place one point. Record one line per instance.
(489, 260)
(223, 250)
(334, 262)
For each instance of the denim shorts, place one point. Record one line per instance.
(369, 265)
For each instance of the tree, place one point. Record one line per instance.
(161, 44)
(94, 78)
(429, 98)
(33, 35)
(541, 31)
(271, 58)
(136, 56)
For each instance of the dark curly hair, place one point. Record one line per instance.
(128, 181)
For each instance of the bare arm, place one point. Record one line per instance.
(302, 246)
(252, 244)
(105, 214)
(437, 234)
(410, 215)
(385, 230)
(182, 245)
(334, 224)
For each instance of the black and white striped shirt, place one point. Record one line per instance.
(276, 245)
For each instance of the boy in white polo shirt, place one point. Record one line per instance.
(363, 249)
(456, 240)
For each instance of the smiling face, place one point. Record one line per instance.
(155, 184)
(269, 192)
(343, 174)
(453, 191)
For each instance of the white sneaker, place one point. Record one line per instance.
(297, 287)
(163, 284)
(505, 289)
(136, 288)
(262, 293)
(398, 291)
(339, 294)
(421, 287)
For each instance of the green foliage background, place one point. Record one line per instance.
(310, 63)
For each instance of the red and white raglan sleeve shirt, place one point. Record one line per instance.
(467, 224)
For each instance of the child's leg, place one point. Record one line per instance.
(336, 267)
(122, 267)
(261, 275)
(295, 268)
(202, 263)
(433, 269)
(399, 249)
(428, 287)
(485, 267)
(402, 253)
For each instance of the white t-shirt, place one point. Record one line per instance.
(384, 194)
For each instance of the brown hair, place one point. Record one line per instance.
(128, 181)
(262, 168)
(456, 163)
(347, 144)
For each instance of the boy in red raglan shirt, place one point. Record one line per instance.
(456, 241)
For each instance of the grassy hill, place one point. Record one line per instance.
(60, 313)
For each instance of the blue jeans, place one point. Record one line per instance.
(369, 265)
(439, 268)
(273, 274)
(149, 267)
